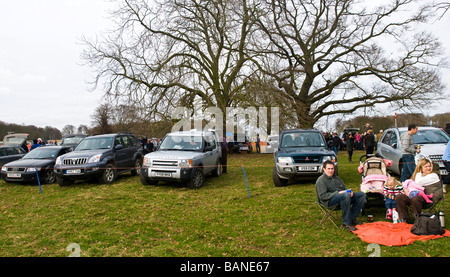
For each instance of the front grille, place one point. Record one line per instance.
(307, 159)
(164, 163)
(74, 161)
(15, 169)
(436, 158)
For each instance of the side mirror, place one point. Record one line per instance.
(394, 145)
(118, 147)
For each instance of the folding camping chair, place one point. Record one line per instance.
(328, 212)
(437, 189)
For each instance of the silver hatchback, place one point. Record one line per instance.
(432, 143)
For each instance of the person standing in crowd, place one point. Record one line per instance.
(408, 152)
(380, 133)
(369, 141)
(447, 128)
(350, 144)
(357, 140)
(446, 160)
(258, 144)
(336, 142)
(35, 144)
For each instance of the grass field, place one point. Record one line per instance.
(127, 219)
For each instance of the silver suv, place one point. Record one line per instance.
(183, 157)
(432, 143)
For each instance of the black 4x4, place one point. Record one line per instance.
(101, 156)
(301, 153)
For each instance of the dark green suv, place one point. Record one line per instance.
(300, 154)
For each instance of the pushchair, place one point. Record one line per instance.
(374, 175)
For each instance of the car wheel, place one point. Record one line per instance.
(109, 175)
(64, 182)
(49, 177)
(137, 167)
(277, 181)
(198, 178)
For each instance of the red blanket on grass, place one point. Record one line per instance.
(390, 234)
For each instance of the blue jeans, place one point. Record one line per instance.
(350, 206)
(409, 165)
(390, 204)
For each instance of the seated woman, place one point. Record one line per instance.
(424, 176)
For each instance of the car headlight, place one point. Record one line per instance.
(58, 161)
(147, 162)
(95, 158)
(285, 160)
(4, 169)
(33, 169)
(329, 158)
(186, 163)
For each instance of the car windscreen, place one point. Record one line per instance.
(302, 139)
(42, 153)
(95, 143)
(429, 136)
(71, 140)
(184, 143)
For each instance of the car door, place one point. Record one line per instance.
(210, 156)
(14, 153)
(386, 149)
(120, 154)
(384, 144)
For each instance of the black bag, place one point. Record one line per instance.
(427, 224)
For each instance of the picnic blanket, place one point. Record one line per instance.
(390, 234)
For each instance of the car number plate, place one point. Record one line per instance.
(307, 168)
(14, 175)
(163, 174)
(73, 171)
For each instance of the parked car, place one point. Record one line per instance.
(41, 159)
(241, 143)
(432, 143)
(9, 153)
(272, 144)
(301, 153)
(100, 156)
(343, 136)
(183, 157)
(19, 139)
(72, 140)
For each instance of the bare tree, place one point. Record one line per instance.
(68, 129)
(166, 54)
(337, 56)
(102, 119)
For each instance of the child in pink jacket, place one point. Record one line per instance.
(411, 188)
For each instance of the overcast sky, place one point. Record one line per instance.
(42, 81)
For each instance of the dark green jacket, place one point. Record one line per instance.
(327, 187)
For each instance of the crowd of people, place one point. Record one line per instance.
(366, 140)
(409, 191)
